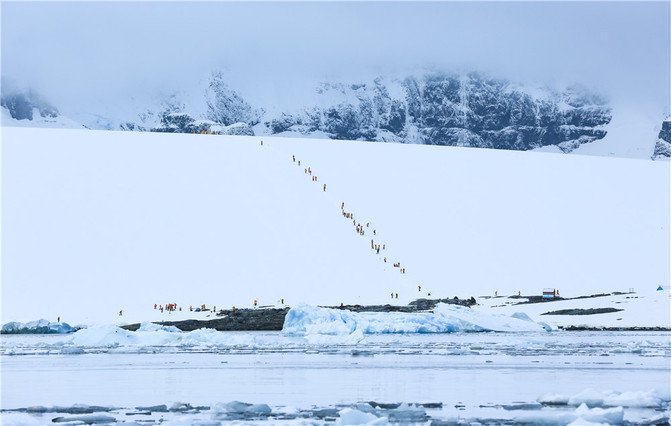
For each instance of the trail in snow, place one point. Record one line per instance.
(359, 227)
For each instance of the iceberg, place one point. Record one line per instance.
(37, 327)
(156, 335)
(351, 416)
(307, 320)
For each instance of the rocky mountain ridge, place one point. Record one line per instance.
(434, 109)
(469, 110)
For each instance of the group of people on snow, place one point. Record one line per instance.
(170, 307)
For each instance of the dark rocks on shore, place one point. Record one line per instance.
(585, 328)
(592, 311)
(541, 299)
(428, 304)
(414, 306)
(232, 320)
(535, 299)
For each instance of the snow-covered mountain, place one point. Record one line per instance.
(433, 109)
(469, 110)
(452, 110)
(28, 109)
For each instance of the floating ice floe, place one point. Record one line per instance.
(351, 416)
(37, 327)
(594, 398)
(156, 335)
(85, 419)
(582, 415)
(306, 320)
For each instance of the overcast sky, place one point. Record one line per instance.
(74, 52)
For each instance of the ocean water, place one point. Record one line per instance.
(621, 377)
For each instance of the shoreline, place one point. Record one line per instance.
(272, 319)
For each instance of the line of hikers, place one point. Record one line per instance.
(212, 132)
(171, 307)
(361, 231)
(307, 171)
(358, 227)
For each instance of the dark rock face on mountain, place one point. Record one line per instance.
(665, 133)
(452, 110)
(176, 122)
(238, 129)
(21, 105)
(469, 110)
(663, 145)
(226, 107)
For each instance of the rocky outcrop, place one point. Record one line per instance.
(239, 129)
(177, 122)
(663, 145)
(591, 311)
(226, 107)
(232, 320)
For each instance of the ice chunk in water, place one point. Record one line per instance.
(351, 416)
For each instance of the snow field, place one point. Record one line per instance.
(124, 220)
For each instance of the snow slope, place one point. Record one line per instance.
(647, 307)
(98, 222)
